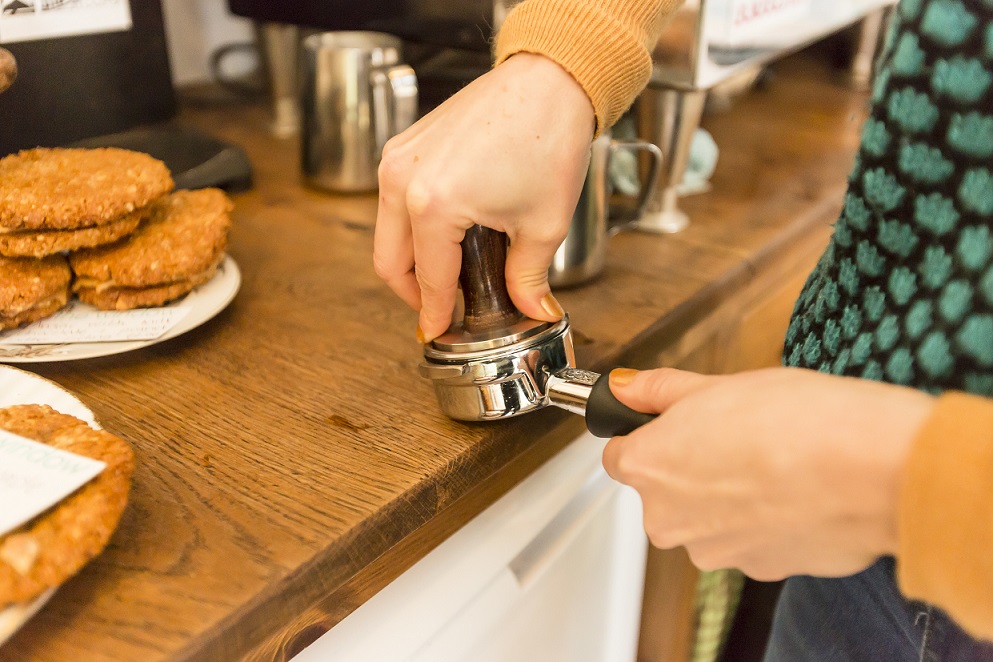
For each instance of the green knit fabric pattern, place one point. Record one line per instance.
(904, 291)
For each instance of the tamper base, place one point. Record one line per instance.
(501, 382)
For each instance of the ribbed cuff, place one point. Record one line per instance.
(605, 56)
(946, 513)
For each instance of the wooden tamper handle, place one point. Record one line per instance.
(484, 285)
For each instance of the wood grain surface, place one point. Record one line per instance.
(290, 460)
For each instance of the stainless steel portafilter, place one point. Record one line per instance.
(496, 363)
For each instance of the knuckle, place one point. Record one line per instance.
(619, 461)
(660, 530)
(392, 146)
(660, 536)
(384, 268)
(609, 458)
(530, 279)
(760, 573)
(431, 286)
(418, 201)
(543, 234)
(718, 556)
(391, 167)
(424, 198)
(662, 380)
(704, 561)
(628, 467)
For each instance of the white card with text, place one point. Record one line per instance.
(34, 477)
(78, 323)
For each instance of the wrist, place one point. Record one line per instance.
(550, 80)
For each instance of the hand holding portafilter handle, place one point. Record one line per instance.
(8, 69)
(488, 309)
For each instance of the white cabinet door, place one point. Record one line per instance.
(552, 571)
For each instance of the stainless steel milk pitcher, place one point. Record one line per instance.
(584, 252)
(356, 95)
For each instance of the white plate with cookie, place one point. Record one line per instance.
(204, 302)
(18, 387)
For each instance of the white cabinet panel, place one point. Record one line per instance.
(552, 571)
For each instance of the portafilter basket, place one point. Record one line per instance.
(496, 363)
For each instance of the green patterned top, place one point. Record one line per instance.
(904, 291)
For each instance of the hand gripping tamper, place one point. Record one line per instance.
(496, 363)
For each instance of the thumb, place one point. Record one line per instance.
(528, 260)
(654, 391)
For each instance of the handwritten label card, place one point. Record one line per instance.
(77, 324)
(34, 477)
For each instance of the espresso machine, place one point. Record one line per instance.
(710, 42)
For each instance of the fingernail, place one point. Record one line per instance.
(552, 306)
(622, 376)
(420, 335)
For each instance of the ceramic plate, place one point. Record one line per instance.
(205, 301)
(18, 388)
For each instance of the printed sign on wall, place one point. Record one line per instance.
(27, 20)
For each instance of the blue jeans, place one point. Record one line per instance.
(863, 618)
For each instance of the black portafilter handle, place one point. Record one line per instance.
(488, 308)
(606, 416)
(588, 393)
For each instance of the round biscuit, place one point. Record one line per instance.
(27, 284)
(69, 188)
(185, 236)
(27, 243)
(127, 298)
(51, 548)
(37, 312)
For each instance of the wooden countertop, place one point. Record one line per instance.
(290, 460)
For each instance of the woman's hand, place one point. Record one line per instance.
(776, 472)
(510, 152)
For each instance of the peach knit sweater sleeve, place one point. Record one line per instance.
(604, 44)
(945, 525)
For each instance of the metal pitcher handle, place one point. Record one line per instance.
(651, 183)
(394, 97)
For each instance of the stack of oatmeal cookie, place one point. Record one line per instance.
(110, 214)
